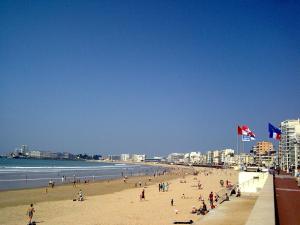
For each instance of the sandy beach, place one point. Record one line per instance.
(116, 202)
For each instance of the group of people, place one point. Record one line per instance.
(213, 201)
(201, 211)
(163, 187)
(236, 191)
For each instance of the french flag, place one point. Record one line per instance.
(274, 132)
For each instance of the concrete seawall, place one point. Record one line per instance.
(263, 211)
(252, 182)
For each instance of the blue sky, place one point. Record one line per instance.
(145, 76)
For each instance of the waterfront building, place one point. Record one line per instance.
(244, 158)
(264, 154)
(227, 156)
(203, 159)
(175, 158)
(209, 158)
(192, 157)
(114, 157)
(195, 157)
(138, 158)
(125, 157)
(155, 159)
(288, 153)
(24, 149)
(67, 155)
(34, 154)
(216, 157)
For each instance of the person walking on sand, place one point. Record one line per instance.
(142, 196)
(30, 212)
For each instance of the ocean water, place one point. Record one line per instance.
(28, 173)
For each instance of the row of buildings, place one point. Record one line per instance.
(126, 157)
(25, 152)
(262, 153)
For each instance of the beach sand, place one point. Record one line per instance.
(115, 202)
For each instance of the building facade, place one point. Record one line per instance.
(175, 158)
(288, 153)
(125, 157)
(209, 158)
(138, 158)
(264, 154)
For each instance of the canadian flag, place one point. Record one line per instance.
(245, 131)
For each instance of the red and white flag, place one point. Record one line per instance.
(245, 131)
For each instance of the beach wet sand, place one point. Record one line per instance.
(116, 202)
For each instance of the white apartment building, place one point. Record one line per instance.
(35, 154)
(203, 159)
(227, 156)
(244, 158)
(209, 158)
(216, 157)
(138, 158)
(125, 157)
(193, 157)
(288, 154)
(175, 158)
(24, 149)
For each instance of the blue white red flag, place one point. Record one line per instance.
(274, 132)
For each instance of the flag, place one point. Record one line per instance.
(274, 132)
(240, 131)
(245, 131)
(246, 138)
(252, 137)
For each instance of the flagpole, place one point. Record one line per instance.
(243, 149)
(237, 147)
(237, 144)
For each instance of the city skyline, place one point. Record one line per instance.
(151, 77)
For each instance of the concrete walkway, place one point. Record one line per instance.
(234, 212)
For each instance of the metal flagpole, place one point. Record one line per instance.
(243, 149)
(237, 144)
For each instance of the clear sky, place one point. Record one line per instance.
(149, 77)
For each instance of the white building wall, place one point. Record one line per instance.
(287, 144)
(125, 157)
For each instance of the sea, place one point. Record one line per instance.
(30, 173)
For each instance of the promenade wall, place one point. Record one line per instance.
(263, 211)
(252, 182)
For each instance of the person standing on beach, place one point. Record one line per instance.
(30, 212)
(143, 195)
(211, 198)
